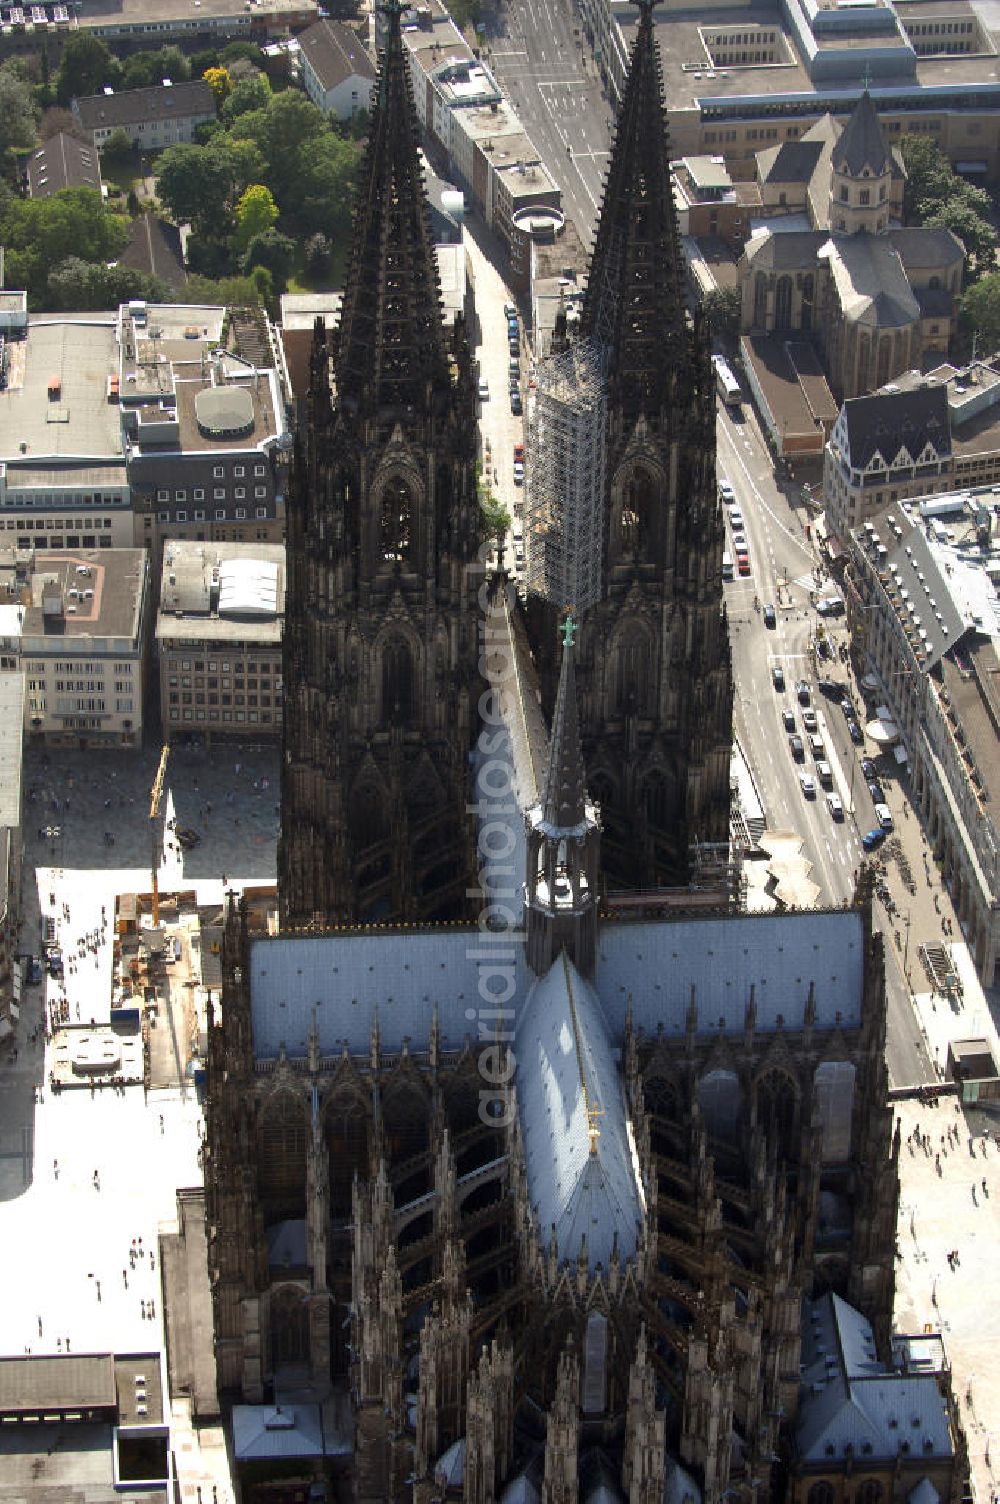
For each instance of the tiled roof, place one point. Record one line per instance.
(861, 142)
(924, 245)
(158, 102)
(885, 422)
(791, 162)
(335, 53)
(63, 162)
(581, 1180)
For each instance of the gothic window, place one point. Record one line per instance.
(366, 819)
(636, 518)
(658, 795)
(397, 521)
(345, 1130)
(289, 1330)
(864, 363)
(719, 1101)
(833, 1085)
(661, 1100)
(777, 1105)
(808, 293)
(783, 304)
(397, 681)
(760, 301)
(406, 1118)
(281, 1165)
(820, 1493)
(884, 354)
(870, 1492)
(632, 669)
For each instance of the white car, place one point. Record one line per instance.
(836, 806)
(736, 520)
(484, 389)
(809, 720)
(518, 473)
(808, 783)
(739, 541)
(726, 494)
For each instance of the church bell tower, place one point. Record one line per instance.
(383, 532)
(654, 672)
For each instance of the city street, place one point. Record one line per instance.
(542, 63)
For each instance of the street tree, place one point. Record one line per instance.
(979, 314)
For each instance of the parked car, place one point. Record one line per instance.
(514, 344)
(873, 838)
(797, 748)
(484, 389)
(778, 676)
(824, 773)
(788, 719)
(515, 404)
(743, 563)
(876, 791)
(510, 309)
(847, 707)
(808, 783)
(518, 473)
(868, 768)
(802, 690)
(54, 961)
(519, 452)
(809, 720)
(770, 617)
(836, 806)
(855, 733)
(726, 494)
(736, 519)
(823, 648)
(883, 815)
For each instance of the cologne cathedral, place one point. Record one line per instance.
(528, 1191)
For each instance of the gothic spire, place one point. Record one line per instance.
(563, 804)
(392, 343)
(635, 295)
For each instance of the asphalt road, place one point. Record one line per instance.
(782, 560)
(537, 51)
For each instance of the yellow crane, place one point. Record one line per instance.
(156, 794)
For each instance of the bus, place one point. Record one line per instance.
(729, 387)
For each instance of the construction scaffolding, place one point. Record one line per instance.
(564, 514)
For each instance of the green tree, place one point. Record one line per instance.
(275, 251)
(251, 93)
(317, 254)
(41, 233)
(495, 516)
(236, 292)
(220, 83)
(247, 52)
(976, 234)
(979, 313)
(929, 176)
(256, 212)
(118, 148)
(194, 184)
(324, 193)
(86, 67)
(721, 309)
(18, 115)
(77, 284)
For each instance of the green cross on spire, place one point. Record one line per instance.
(569, 630)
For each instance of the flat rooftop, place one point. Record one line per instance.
(114, 575)
(142, 12)
(38, 478)
(265, 420)
(793, 383)
(222, 591)
(11, 751)
(59, 408)
(975, 698)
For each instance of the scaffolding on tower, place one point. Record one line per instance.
(564, 513)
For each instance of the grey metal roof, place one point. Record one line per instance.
(347, 979)
(923, 246)
(920, 594)
(563, 803)
(274, 1431)
(581, 1179)
(657, 963)
(851, 1400)
(789, 250)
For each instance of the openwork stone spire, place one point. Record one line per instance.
(563, 805)
(635, 295)
(392, 343)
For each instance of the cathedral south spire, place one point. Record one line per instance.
(380, 657)
(391, 342)
(634, 306)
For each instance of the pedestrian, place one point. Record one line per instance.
(98, 1286)
(55, 1168)
(125, 1278)
(142, 1307)
(161, 1124)
(67, 1344)
(39, 1326)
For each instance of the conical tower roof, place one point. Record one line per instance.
(391, 343)
(564, 800)
(861, 143)
(635, 301)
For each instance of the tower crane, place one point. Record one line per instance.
(155, 795)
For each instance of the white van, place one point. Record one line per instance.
(883, 815)
(727, 566)
(816, 746)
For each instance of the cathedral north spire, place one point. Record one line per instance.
(564, 802)
(635, 304)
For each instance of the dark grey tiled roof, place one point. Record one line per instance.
(917, 245)
(794, 162)
(861, 142)
(335, 53)
(885, 421)
(63, 162)
(160, 102)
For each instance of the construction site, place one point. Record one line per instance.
(564, 514)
